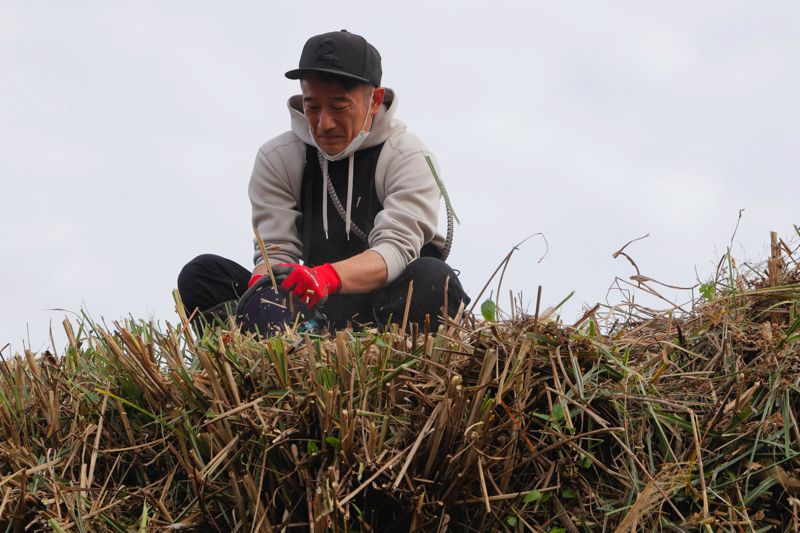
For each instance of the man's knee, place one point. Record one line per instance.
(435, 286)
(208, 280)
(429, 270)
(437, 283)
(195, 269)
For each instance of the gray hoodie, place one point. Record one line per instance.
(403, 181)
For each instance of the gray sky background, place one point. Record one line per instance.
(128, 132)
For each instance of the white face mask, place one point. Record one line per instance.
(354, 145)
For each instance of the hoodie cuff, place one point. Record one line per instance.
(394, 259)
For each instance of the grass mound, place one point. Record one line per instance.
(628, 420)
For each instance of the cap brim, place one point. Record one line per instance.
(297, 73)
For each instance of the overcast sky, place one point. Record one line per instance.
(128, 132)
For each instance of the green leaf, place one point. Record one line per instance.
(442, 189)
(743, 415)
(327, 377)
(532, 496)
(569, 494)
(558, 530)
(487, 403)
(488, 310)
(761, 489)
(55, 526)
(511, 520)
(311, 447)
(143, 519)
(333, 441)
(586, 462)
(562, 302)
(707, 290)
(557, 414)
(788, 335)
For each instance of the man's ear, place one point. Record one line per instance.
(377, 99)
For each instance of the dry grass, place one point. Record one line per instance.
(629, 421)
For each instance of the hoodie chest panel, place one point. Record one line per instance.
(365, 206)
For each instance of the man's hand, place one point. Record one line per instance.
(311, 285)
(279, 271)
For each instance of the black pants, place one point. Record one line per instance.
(210, 280)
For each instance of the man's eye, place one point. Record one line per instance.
(340, 108)
(312, 108)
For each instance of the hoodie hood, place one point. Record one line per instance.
(384, 125)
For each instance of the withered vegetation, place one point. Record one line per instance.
(629, 420)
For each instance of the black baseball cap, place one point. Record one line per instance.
(341, 53)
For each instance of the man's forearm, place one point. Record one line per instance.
(364, 272)
(261, 270)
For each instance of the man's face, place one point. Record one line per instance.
(335, 115)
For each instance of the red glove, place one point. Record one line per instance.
(278, 271)
(312, 285)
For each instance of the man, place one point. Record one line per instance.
(350, 192)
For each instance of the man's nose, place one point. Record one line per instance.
(325, 120)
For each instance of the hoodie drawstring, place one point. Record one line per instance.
(325, 179)
(328, 192)
(349, 195)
